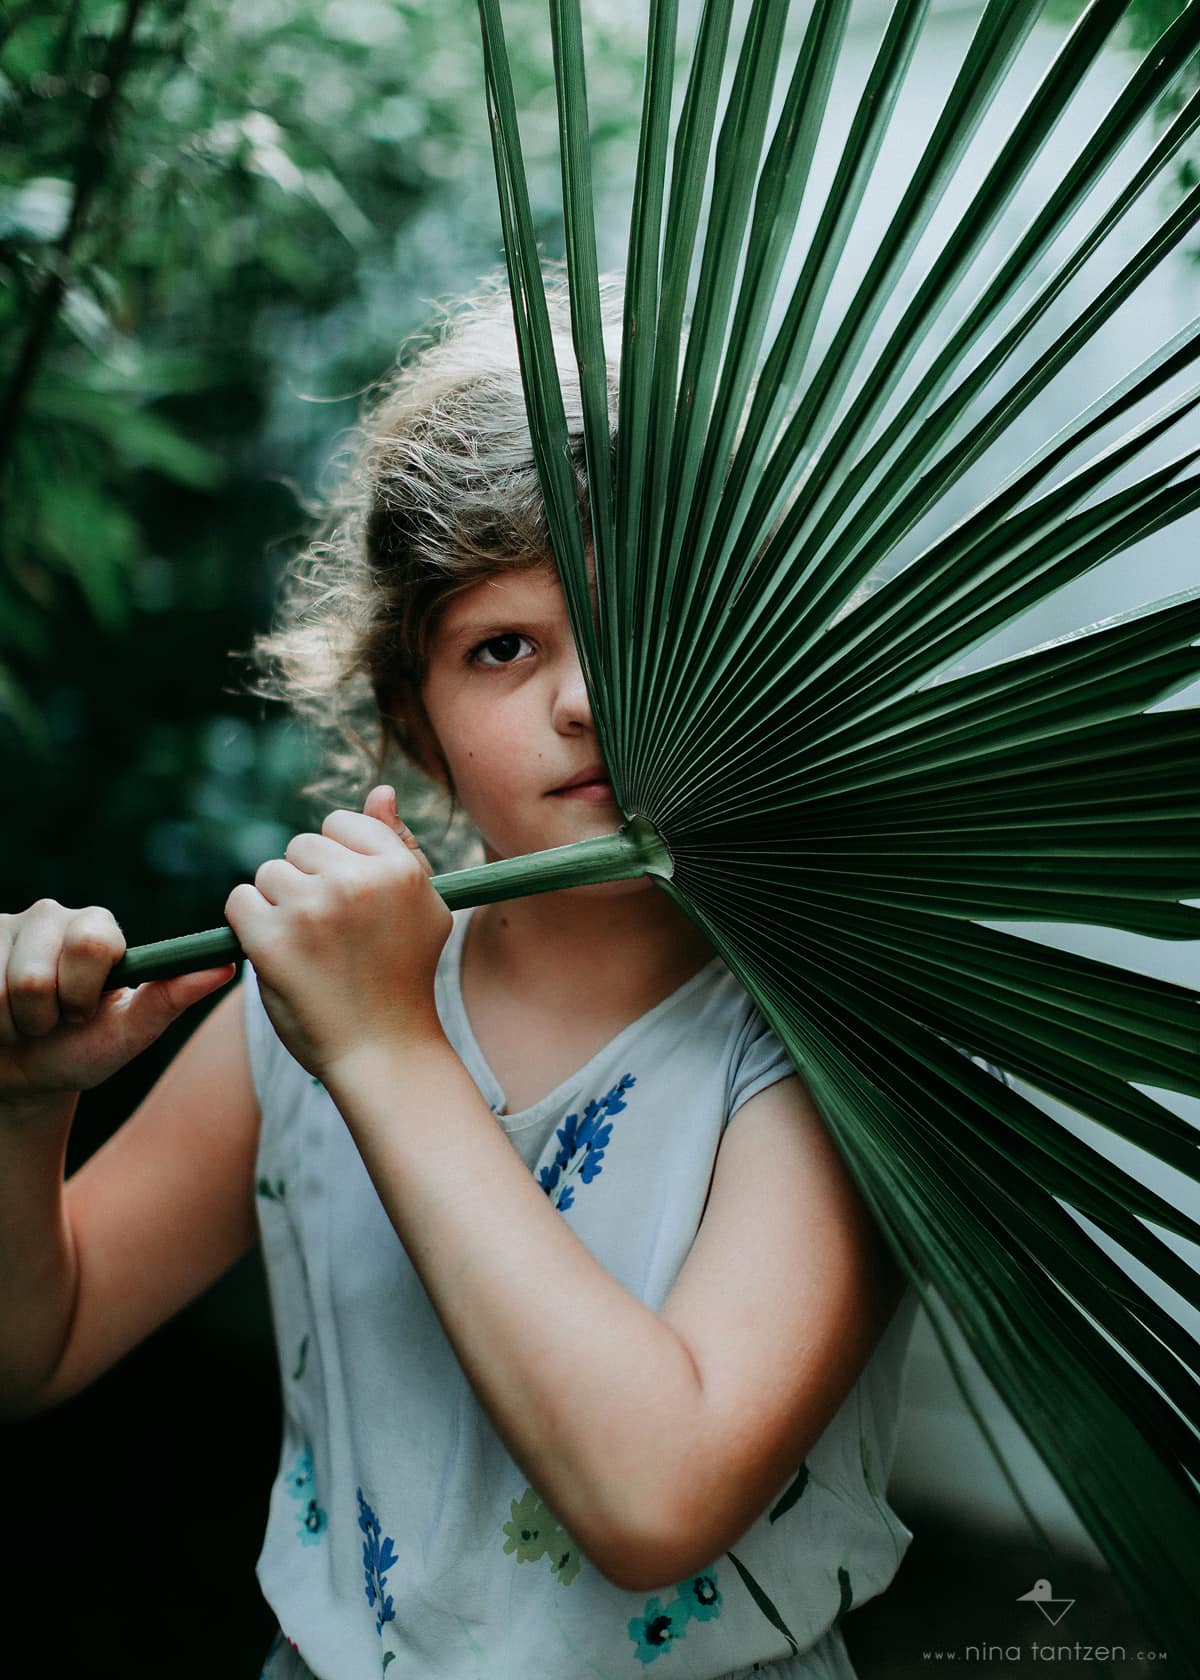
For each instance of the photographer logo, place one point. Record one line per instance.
(1041, 1594)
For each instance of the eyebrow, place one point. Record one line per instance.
(482, 628)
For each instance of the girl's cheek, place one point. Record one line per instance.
(502, 734)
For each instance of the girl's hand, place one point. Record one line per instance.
(59, 1031)
(345, 932)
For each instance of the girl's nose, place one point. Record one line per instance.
(572, 710)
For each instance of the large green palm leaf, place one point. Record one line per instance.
(801, 768)
(839, 821)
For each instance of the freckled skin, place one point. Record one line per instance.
(513, 728)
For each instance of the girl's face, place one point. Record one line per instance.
(505, 697)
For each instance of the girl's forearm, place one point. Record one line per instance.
(37, 1261)
(595, 1396)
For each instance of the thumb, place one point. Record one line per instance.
(152, 1006)
(381, 804)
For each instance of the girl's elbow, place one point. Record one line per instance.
(643, 1550)
(655, 1570)
(638, 1565)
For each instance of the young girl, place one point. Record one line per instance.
(589, 1350)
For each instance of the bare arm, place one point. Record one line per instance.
(166, 1205)
(88, 1269)
(656, 1438)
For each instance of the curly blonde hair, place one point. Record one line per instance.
(438, 491)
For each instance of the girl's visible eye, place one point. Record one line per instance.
(499, 650)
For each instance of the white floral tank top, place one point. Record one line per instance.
(402, 1539)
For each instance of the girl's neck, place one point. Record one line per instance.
(637, 946)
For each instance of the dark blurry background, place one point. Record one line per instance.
(218, 224)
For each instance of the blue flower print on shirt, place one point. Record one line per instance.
(698, 1599)
(299, 1478)
(656, 1630)
(313, 1523)
(581, 1145)
(379, 1555)
(300, 1482)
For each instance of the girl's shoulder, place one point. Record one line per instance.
(726, 1028)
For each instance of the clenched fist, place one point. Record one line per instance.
(60, 1031)
(345, 931)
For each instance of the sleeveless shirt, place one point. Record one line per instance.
(401, 1537)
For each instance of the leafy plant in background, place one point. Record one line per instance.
(218, 223)
(1144, 23)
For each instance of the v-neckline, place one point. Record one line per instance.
(565, 1089)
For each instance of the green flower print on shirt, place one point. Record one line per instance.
(529, 1528)
(564, 1564)
(698, 1599)
(534, 1533)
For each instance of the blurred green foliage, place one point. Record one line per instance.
(1144, 22)
(218, 223)
(1147, 20)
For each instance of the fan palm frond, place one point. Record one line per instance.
(842, 816)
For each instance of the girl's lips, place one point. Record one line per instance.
(595, 793)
